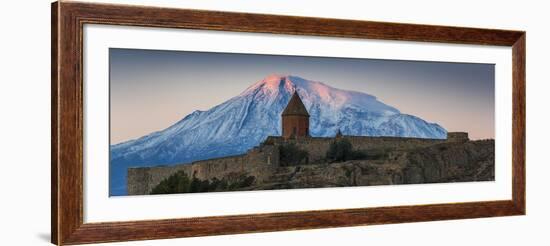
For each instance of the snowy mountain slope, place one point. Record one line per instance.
(246, 120)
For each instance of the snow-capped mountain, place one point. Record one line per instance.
(244, 121)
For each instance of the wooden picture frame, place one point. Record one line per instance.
(68, 19)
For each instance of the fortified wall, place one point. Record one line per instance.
(256, 162)
(317, 147)
(261, 161)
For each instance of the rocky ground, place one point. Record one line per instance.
(445, 162)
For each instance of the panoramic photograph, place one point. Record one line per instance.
(191, 122)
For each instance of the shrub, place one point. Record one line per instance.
(248, 181)
(181, 183)
(176, 183)
(198, 185)
(339, 150)
(291, 155)
(342, 150)
(218, 185)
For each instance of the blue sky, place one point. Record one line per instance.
(151, 89)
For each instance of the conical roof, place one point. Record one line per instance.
(295, 106)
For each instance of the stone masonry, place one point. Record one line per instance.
(263, 160)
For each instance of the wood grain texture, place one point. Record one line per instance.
(67, 162)
(518, 123)
(260, 23)
(147, 230)
(54, 125)
(68, 19)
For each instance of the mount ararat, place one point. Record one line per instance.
(244, 121)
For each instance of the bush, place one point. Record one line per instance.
(219, 185)
(291, 155)
(248, 181)
(198, 185)
(242, 181)
(342, 150)
(176, 183)
(339, 150)
(181, 183)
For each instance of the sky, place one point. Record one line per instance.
(152, 89)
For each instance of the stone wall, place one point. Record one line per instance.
(441, 163)
(257, 162)
(457, 137)
(317, 147)
(262, 160)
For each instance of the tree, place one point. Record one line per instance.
(291, 155)
(181, 183)
(339, 150)
(342, 150)
(176, 183)
(198, 185)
